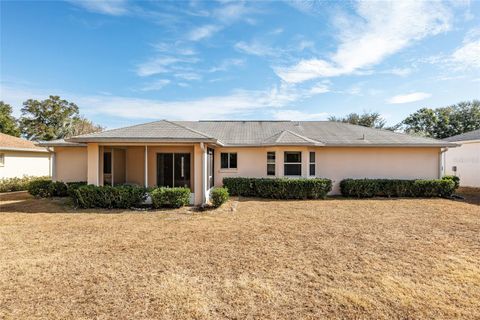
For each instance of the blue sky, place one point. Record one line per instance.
(127, 62)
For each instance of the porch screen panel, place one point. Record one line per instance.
(182, 170)
(165, 169)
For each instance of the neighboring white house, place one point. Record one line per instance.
(464, 161)
(20, 157)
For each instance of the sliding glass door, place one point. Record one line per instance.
(173, 170)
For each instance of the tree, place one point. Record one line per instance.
(372, 120)
(8, 124)
(444, 122)
(82, 125)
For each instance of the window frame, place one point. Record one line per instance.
(2, 159)
(229, 160)
(298, 163)
(312, 163)
(271, 162)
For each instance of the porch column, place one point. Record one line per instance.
(112, 161)
(93, 156)
(146, 166)
(199, 173)
(305, 163)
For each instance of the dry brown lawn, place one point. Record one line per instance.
(337, 258)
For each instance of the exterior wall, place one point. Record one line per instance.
(338, 163)
(21, 163)
(467, 160)
(70, 164)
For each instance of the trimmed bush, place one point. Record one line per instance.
(455, 180)
(368, 188)
(40, 188)
(72, 186)
(17, 184)
(170, 197)
(218, 196)
(279, 188)
(120, 197)
(58, 189)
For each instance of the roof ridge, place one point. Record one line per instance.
(190, 129)
(109, 130)
(304, 137)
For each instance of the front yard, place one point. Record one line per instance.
(379, 258)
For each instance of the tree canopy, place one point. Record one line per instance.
(367, 119)
(53, 118)
(8, 124)
(444, 122)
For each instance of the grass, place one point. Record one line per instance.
(404, 258)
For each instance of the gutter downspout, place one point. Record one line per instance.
(52, 163)
(442, 161)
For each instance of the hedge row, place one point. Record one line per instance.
(45, 188)
(125, 197)
(367, 188)
(279, 188)
(18, 184)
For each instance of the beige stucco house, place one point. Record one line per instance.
(20, 157)
(464, 161)
(199, 154)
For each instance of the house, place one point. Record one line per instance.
(199, 154)
(464, 161)
(20, 157)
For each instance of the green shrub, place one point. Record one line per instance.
(367, 188)
(17, 184)
(120, 197)
(455, 179)
(239, 186)
(72, 186)
(218, 196)
(58, 189)
(41, 188)
(279, 188)
(170, 197)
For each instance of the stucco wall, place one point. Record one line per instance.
(19, 164)
(338, 163)
(70, 164)
(467, 160)
(135, 163)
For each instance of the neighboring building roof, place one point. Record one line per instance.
(467, 136)
(60, 143)
(11, 143)
(255, 133)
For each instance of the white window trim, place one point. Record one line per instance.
(228, 162)
(272, 162)
(310, 163)
(297, 163)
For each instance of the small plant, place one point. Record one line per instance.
(455, 179)
(170, 197)
(218, 196)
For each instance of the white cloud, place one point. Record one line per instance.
(189, 76)
(155, 85)
(227, 64)
(231, 12)
(256, 48)
(110, 7)
(161, 65)
(379, 30)
(402, 72)
(409, 97)
(319, 88)
(298, 115)
(468, 55)
(203, 32)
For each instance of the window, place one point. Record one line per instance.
(292, 163)
(2, 159)
(270, 163)
(228, 160)
(107, 162)
(312, 164)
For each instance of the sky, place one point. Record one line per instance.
(127, 62)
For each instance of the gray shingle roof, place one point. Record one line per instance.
(471, 135)
(60, 143)
(252, 133)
